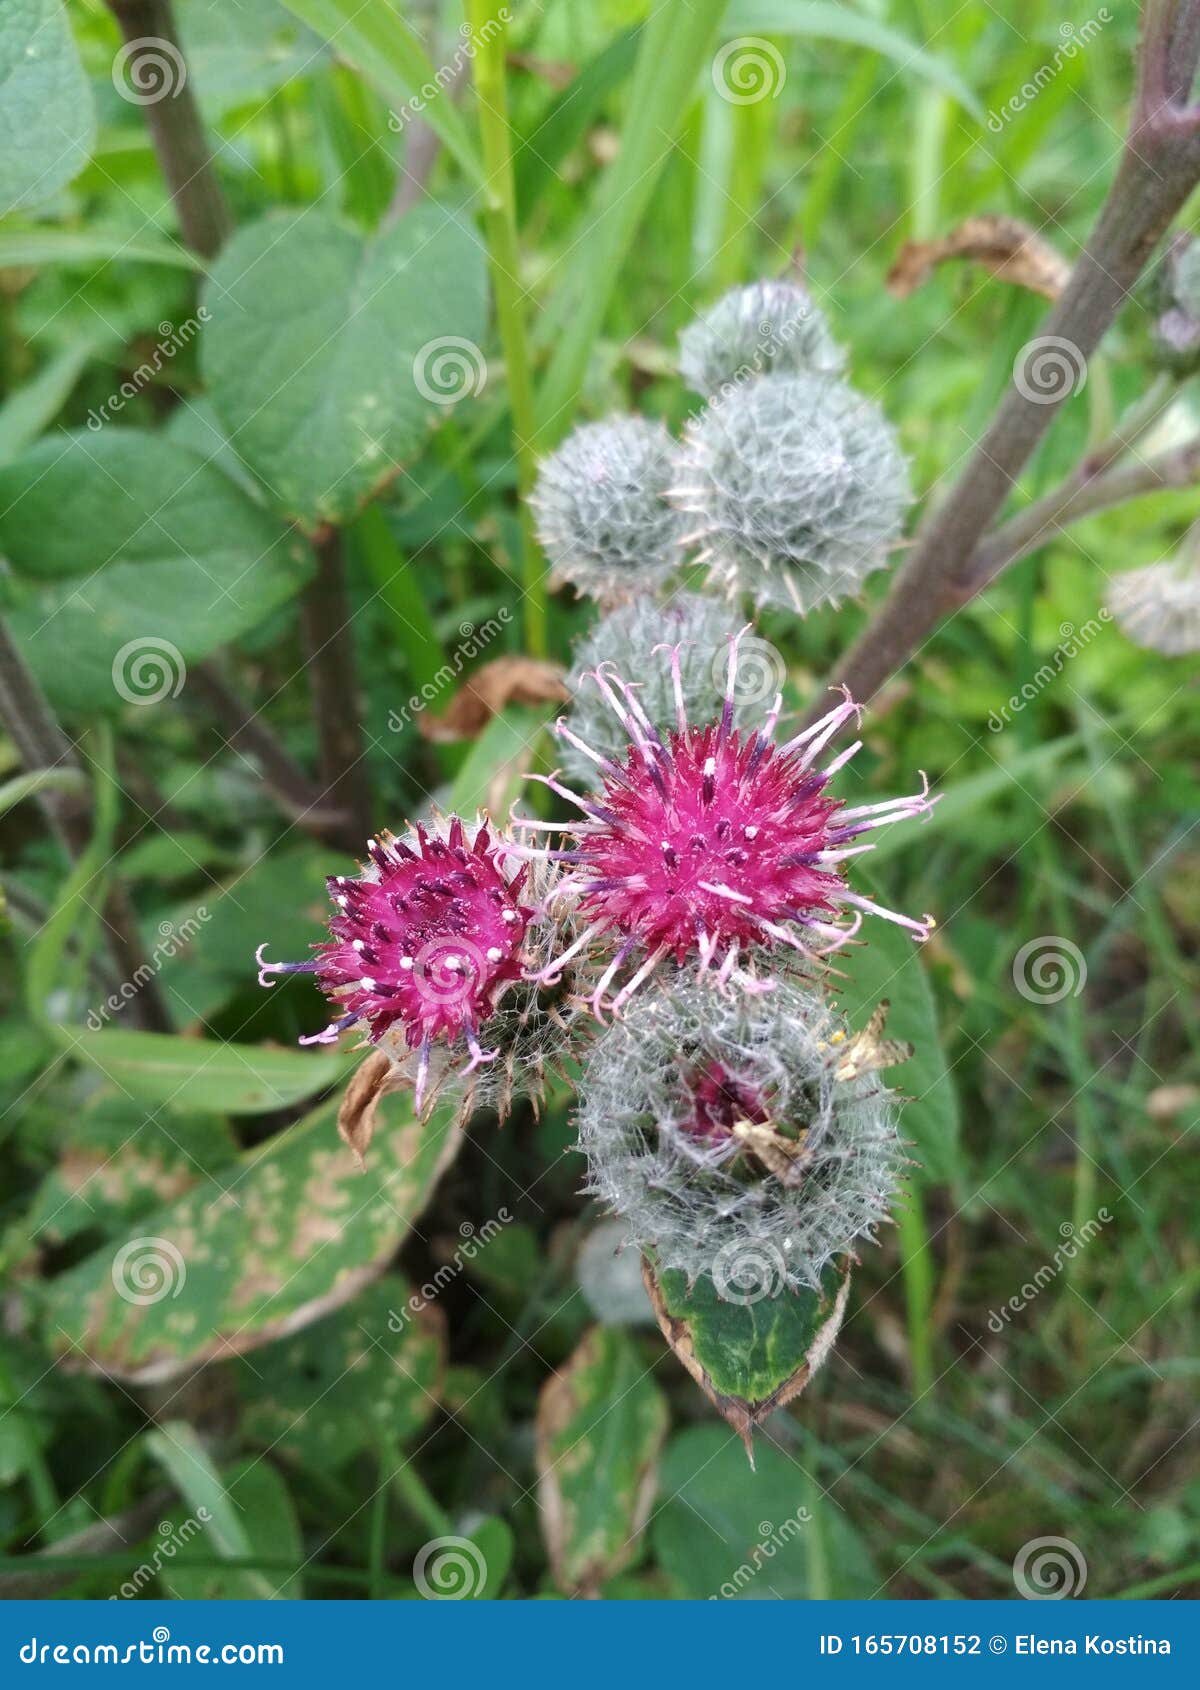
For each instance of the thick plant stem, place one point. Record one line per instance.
(41, 744)
(174, 122)
(1158, 170)
(500, 224)
(326, 617)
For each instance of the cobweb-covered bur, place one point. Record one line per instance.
(423, 944)
(794, 488)
(708, 842)
(767, 328)
(602, 515)
(637, 637)
(1158, 606)
(746, 1138)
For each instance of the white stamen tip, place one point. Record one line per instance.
(494, 953)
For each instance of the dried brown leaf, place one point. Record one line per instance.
(372, 1082)
(505, 680)
(1006, 246)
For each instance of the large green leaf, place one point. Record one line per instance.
(169, 558)
(195, 1074)
(722, 1531)
(601, 1424)
(47, 122)
(889, 966)
(287, 1235)
(322, 349)
(748, 1358)
(370, 1369)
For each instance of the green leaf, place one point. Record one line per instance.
(319, 345)
(723, 1531)
(494, 771)
(238, 53)
(177, 1448)
(21, 787)
(889, 966)
(377, 41)
(374, 1365)
(748, 1358)
(31, 248)
(47, 120)
(177, 560)
(600, 1426)
(841, 23)
(290, 1233)
(28, 410)
(192, 1074)
(267, 1517)
(567, 119)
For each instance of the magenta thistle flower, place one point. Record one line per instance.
(713, 842)
(423, 942)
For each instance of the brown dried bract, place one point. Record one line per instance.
(372, 1082)
(505, 680)
(1006, 246)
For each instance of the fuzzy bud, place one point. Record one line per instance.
(1158, 607)
(795, 489)
(768, 328)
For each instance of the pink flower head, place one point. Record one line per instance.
(719, 1099)
(424, 941)
(711, 841)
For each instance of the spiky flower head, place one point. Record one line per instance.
(637, 637)
(602, 516)
(423, 943)
(744, 1137)
(769, 327)
(708, 842)
(1176, 328)
(794, 487)
(1158, 607)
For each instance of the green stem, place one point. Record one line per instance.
(417, 1497)
(917, 1272)
(500, 227)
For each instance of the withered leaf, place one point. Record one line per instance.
(1006, 246)
(504, 680)
(371, 1083)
